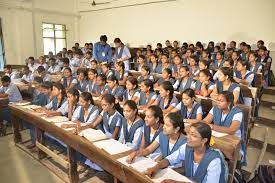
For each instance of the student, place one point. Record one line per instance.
(177, 65)
(226, 83)
(188, 108)
(43, 74)
(42, 62)
(58, 106)
(109, 118)
(95, 66)
(201, 162)
(235, 57)
(135, 59)
(11, 74)
(81, 80)
(76, 62)
(243, 75)
(85, 113)
(266, 61)
(147, 94)
(218, 62)
(65, 63)
(145, 74)
(193, 66)
(122, 53)
(141, 62)
(31, 64)
(27, 75)
(91, 86)
(204, 86)
(152, 129)
(166, 101)
(188, 54)
(169, 140)
(155, 67)
(68, 80)
(10, 90)
(166, 76)
(101, 87)
(59, 60)
(254, 66)
(40, 96)
(54, 67)
(228, 119)
(165, 63)
(86, 62)
(114, 88)
(132, 92)
(120, 73)
(206, 55)
(184, 80)
(132, 126)
(106, 69)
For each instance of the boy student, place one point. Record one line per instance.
(42, 73)
(8, 72)
(31, 64)
(54, 67)
(27, 75)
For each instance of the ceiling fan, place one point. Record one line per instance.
(93, 3)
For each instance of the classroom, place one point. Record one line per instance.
(145, 91)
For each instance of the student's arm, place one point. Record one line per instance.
(95, 123)
(204, 91)
(123, 81)
(52, 113)
(209, 118)
(152, 171)
(116, 133)
(136, 141)
(236, 94)
(235, 125)
(214, 94)
(3, 95)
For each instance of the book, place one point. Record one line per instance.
(93, 135)
(112, 146)
(169, 173)
(56, 119)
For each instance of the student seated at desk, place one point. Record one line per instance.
(166, 76)
(114, 88)
(101, 86)
(202, 164)
(81, 80)
(132, 126)
(43, 74)
(65, 64)
(42, 62)
(68, 80)
(141, 62)
(145, 74)
(219, 60)
(54, 67)
(106, 69)
(243, 75)
(227, 118)
(147, 94)
(91, 86)
(177, 65)
(226, 83)
(27, 75)
(188, 108)
(120, 73)
(169, 140)
(166, 101)
(58, 106)
(132, 92)
(12, 74)
(194, 66)
(254, 66)
(31, 64)
(184, 81)
(110, 117)
(204, 86)
(95, 66)
(154, 65)
(42, 91)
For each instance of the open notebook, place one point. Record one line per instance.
(141, 164)
(112, 146)
(65, 123)
(169, 173)
(93, 135)
(55, 119)
(31, 107)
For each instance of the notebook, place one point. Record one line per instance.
(112, 146)
(56, 119)
(169, 173)
(93, 135)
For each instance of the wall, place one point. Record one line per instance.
(22, 25)
(183, 20)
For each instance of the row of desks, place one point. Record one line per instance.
(229, 145)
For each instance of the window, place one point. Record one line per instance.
(54, 38)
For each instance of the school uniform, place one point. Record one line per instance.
(257, 68)
(44, 65)
(78, 114)
(172, 103)
(32, 67)
(265, 61)
(197, 87)
(194, 72)
(131, 135)
(13, 75)
(81, 85)
(28, 77)
(13, 92)
(142, 78)
(123, 52)
(100, 90)
(117, 92)
(155, 69)
(181, 85)
(87, 62)
(66, 82)
(168, 148)
(128, 96)
(143, 100)
(120, 77)
(109, 73)
(47, 77)
(249, 77)
(54, 69)
(196, 110)
(235, 114)
(161, 80)
(209, 170)
(216, 65)
(62, 107)
(91, 86)
(150, 138)
(233, 87)
(111, 122)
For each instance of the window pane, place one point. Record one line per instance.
(59, 27)
(60, 34)
(48, 45)
(48, 32)
(60, 44)
(47, 26)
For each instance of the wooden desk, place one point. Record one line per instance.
(74, 143)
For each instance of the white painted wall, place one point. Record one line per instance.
(183, 20)
(22, 25)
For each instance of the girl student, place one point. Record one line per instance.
(147, 94)
(145, 74)
(184, 80)
(132, 92)
(120, 73)
(204, 86)
(92, 81)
